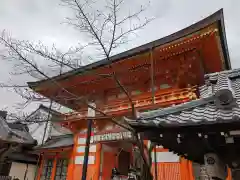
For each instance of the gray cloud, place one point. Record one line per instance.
(41, 20)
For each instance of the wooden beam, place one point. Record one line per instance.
(152, 76)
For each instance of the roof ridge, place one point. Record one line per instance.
(53, 111)
(231, 73)
(177, 108)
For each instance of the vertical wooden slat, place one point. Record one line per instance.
(184, 169)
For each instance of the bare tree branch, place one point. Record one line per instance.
(106, 31)
(30, 97)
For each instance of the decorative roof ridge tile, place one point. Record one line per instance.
(233, 73)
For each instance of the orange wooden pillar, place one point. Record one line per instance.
(70, 168)
(190, 169)
(186, 169)
(54, 168)
(183, 170)
(98, 161)
(229, 174)
(71, 164)
(39, 173)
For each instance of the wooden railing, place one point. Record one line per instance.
(142, 102)
(162, 99)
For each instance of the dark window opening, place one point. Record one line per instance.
(61, 169)
(124, 162)
(47, 169)
(236, 174)
(5, 168)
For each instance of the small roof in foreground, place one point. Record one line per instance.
(12, 133)
(219, 103)
(42, 110)
(23, 157)
(57, 142)
(209, 124)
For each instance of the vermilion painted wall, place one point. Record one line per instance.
(181, 170)
(78, 153)
(108, 164)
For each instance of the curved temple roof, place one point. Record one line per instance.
(216, 18)
(57, 142)
(15, 133)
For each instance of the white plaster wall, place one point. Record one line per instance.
(37, 131)
(18, 170)
(165, 157)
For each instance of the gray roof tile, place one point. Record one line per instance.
(57, 142)
(14, 135)
(219, 102)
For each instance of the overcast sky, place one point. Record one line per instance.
(41, 20)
